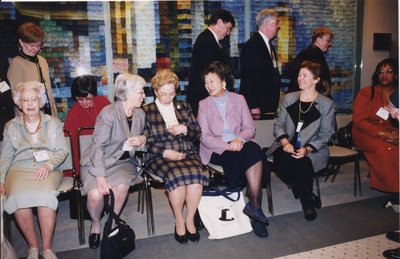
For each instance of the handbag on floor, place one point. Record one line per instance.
(119, 241)
(7, 250)
(222, 213)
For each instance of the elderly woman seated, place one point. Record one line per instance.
(109, 162)
(227, 140)
(33, 149)
(172, 132)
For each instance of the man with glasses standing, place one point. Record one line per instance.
(260, 79)
(321, 42)
(206, 50)
(29, 65)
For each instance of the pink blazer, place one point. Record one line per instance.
(211, 123)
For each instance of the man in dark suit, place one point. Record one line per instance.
(260, 80)
(206, 50)
(321, 42)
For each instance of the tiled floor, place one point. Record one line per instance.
(367, 248)
(338, 192)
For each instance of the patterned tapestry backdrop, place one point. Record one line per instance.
(149, 35)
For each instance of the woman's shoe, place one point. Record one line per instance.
(49, 254)
(94, 239)
(308, 204)
(193, 237)
(33, 253)
(181, 239)
(255, 214)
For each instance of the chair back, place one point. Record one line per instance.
(84, 140)
(68, 183)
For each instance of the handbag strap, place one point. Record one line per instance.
(112, 214)
(214, 191)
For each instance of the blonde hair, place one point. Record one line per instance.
(163, 77)
(34, 85)
(126, 84)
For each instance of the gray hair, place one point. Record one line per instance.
(34, 85)
(265, 15)
(126, 84)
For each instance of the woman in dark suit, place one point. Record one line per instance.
(303, 129)
(171, 132)
(108, 163)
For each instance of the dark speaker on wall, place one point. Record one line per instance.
(382, 41)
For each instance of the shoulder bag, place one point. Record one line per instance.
(119, 241)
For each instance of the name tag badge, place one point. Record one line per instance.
(41, 156)
(383, 113)
(299, 125)
(4, 86)
(126, 147)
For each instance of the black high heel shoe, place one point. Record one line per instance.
(181, 239)
(193, 237)
(94, 239)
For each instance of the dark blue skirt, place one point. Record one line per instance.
(235, 164)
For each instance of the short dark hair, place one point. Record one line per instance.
(222, 14)
(83, 85)
(222, 71)
(315, 70)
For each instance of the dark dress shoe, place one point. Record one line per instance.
(308, 204)
(255, 214)
(394, 236)
(392, 253)
(181, 239)
(316, 201)
(193, 237)
(259, 229)
(94, 240)
(310, 214)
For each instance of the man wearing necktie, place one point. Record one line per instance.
(260, 79)
(207, 49)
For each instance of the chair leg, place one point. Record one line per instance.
(7, 226)
(317, 186)
(357, 178)
(139, 197)
(80, 217)
(270, 202)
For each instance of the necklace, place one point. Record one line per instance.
(129, 118)
(37, 128)
(91, 115)
(309, 107)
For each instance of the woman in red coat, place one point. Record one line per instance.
(375, 132)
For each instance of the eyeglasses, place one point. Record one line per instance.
(33, 99)
(140, 92)
(89, 97)
(34, 45)
(389, 72)
(167, 94)
(275, 21)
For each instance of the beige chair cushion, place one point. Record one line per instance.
(337, 151)
(67, 184)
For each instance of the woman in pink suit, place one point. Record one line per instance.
(227, 133)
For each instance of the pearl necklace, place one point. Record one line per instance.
(37, 128)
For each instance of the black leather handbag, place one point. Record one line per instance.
(344, 136)
(119, 241)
